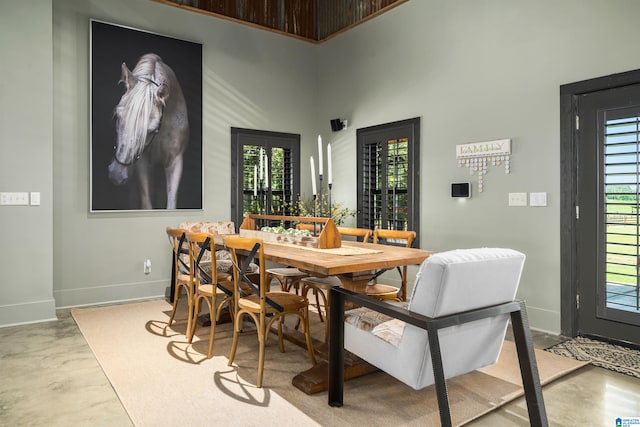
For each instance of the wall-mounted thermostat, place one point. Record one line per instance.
(461, 189)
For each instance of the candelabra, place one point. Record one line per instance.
(329, 185)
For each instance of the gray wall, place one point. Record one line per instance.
(478, 71)
(251, 79)
(472, 71)
(26, 141)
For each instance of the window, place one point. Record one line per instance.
(622, 200)
(265, 172)
(388, 176)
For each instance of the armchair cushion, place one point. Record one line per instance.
(463, 279)
(380, 325)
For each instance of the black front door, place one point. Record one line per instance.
(607, 213)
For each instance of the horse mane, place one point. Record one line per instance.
(137, 102)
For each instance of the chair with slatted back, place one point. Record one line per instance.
(263, 306)
(360, 234)
(389, 292)
(314, 228)
(181, 273)
(289, 277)
(320, 286)
(212, 286)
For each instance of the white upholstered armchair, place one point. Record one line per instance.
(454, 323)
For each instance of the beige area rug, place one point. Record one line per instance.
(163, 381)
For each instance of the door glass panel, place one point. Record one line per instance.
(267, 180)
(622, 201)
(250, 181)
(397, 178)
(282, 168)
(386, 177)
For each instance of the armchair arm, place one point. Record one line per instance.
(425, 322)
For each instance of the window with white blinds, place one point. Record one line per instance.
(621, 198)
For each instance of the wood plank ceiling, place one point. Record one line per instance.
(311, 20)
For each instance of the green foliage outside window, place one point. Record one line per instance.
(304, 206)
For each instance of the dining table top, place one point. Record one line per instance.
(351, 257)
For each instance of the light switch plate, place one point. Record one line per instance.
(517, 199)
(538, 199)
(34, 197)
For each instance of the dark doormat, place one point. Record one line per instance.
(613, 357)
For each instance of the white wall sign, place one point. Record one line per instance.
(499, 147)
(477, 155)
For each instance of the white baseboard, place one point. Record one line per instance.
(544, 320)
(28, 312)
(110, 293)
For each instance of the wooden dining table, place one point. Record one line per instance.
(355, 263)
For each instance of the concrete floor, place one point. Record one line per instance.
(49, 377)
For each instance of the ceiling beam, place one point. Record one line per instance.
(308, 20)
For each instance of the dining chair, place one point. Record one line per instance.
(314, 228)
(212, 286)
(382, 291)
(181, 272)
(263, 306)
(360, 234)
(454, 323)
(289, 277)
(320, 286)
(216, 228)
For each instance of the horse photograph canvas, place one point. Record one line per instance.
(146, 120)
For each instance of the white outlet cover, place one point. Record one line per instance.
(14, 198)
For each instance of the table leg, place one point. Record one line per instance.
(315, 379)
(356, 282)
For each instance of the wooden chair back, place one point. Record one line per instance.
(385, 236)
(307, 226)
(361, 234)
(199, 244)
(180, 250)
(396, 237)
(245, 250)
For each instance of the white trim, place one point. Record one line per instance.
(28, 312)
(110, 293)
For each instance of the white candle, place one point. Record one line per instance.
(255, 181)
(319, 155)
(266, 172)
(329, 171)
(261, 165)
(313, 176)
